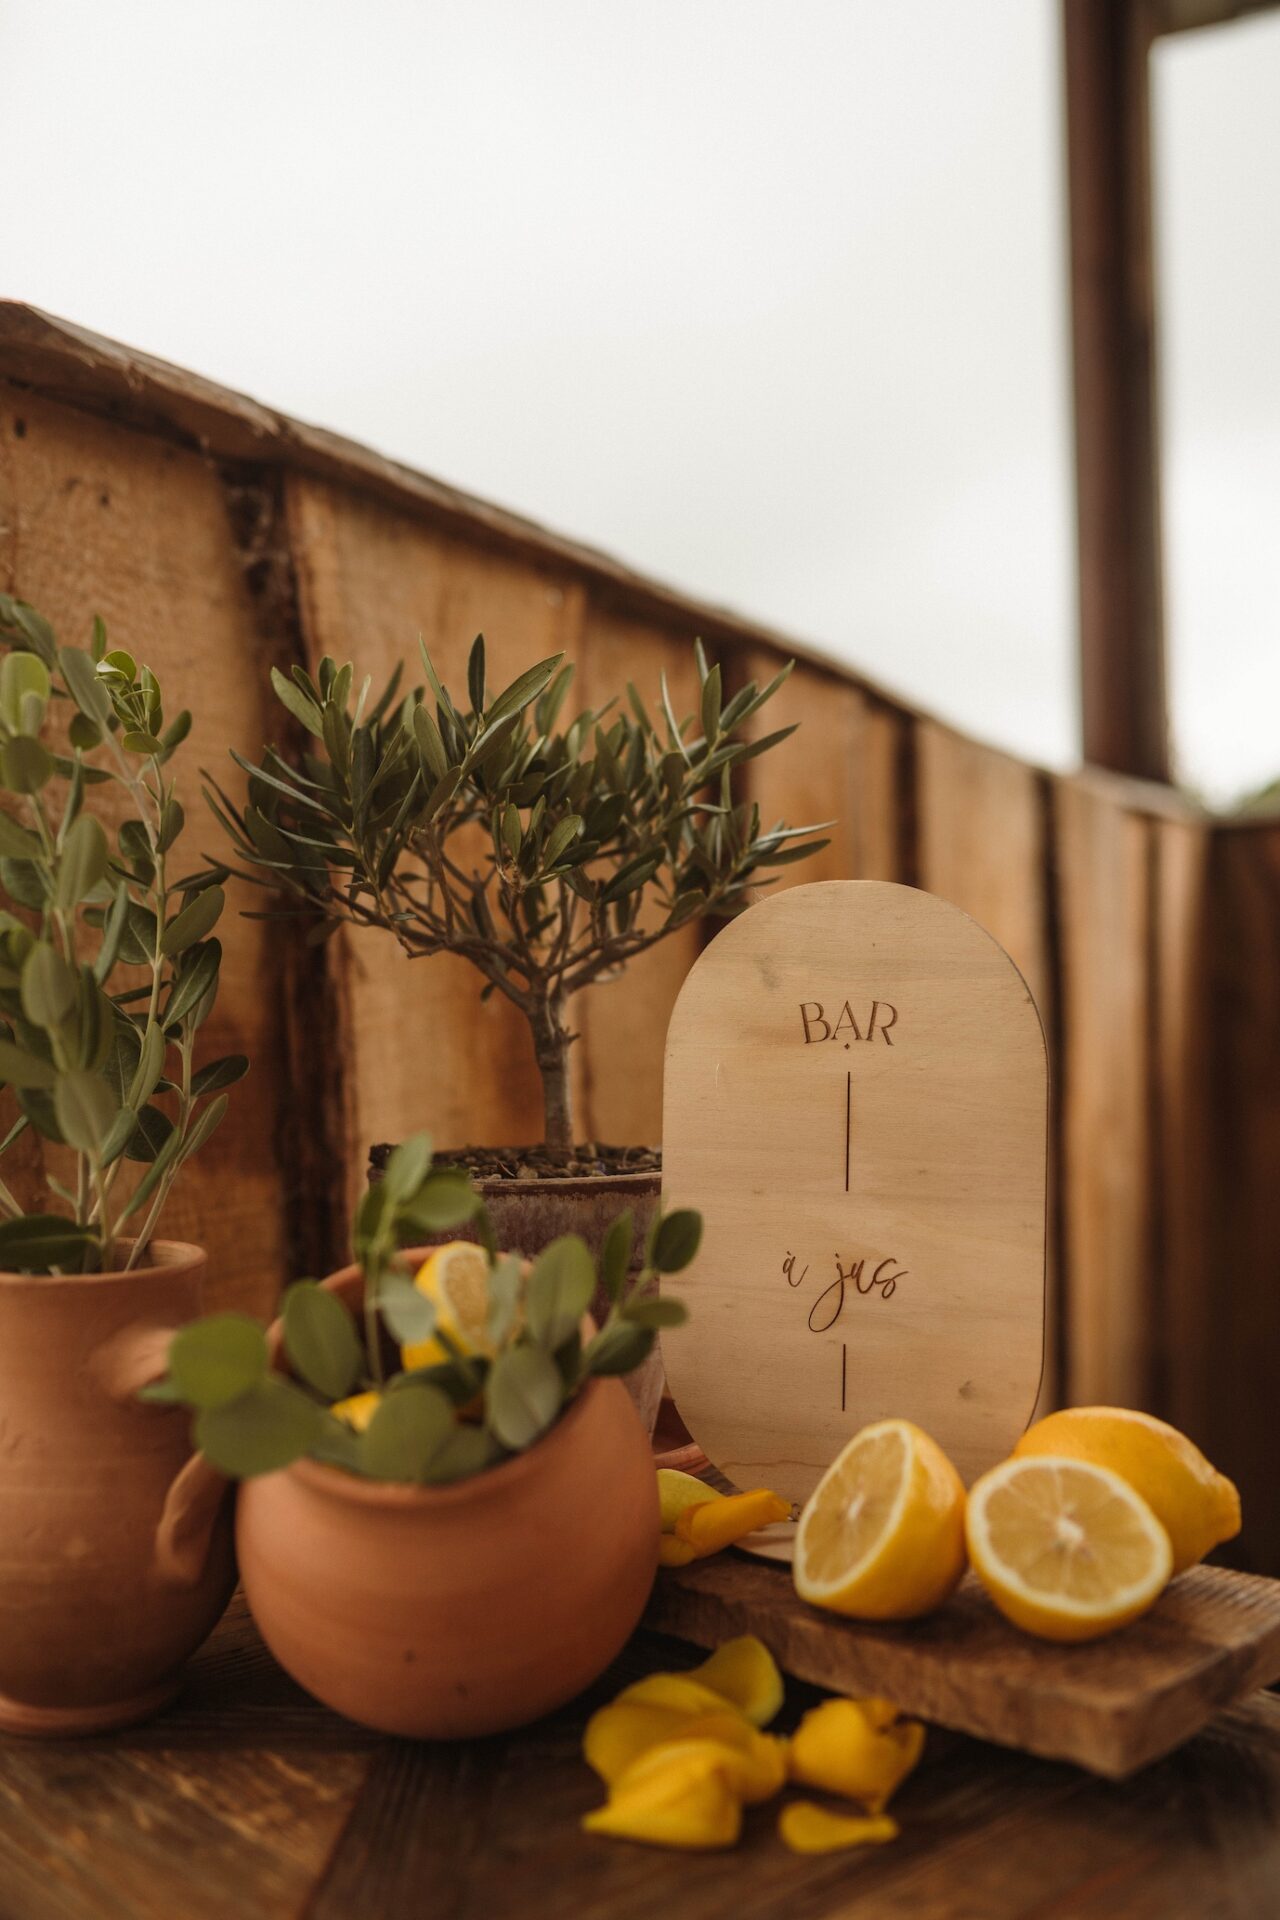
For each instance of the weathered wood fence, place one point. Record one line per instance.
(216, 538)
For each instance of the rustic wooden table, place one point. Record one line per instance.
(247, 1799)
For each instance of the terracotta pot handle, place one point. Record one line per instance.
(132, 1359)
(185, 1532)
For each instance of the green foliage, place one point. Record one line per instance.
(598, 837)
(436, 1424)
(109, 1073)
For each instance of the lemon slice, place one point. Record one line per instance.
(456, 1280)
(1197, 1506)
(1067, 1550)
(882, 1534)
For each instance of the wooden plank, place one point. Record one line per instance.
(229, 1803)
(842, 765)
(419, 1049)
(1186, 1285)
(1105, 934)
(136, 529)
(622, 1024)
(1240, 1300)
(1106, 65)
(238, 1798)
(982, 833)
(1111, 1706)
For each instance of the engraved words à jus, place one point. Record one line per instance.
(822, 1025)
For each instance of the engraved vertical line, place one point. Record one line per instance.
(844, 1372)
(848, 1123)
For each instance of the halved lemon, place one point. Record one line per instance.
(1066, 1549)
(1197, 1506)
(456, 1280)
(882, 1534)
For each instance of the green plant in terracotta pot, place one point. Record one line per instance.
(548, 853)
(441, 1474)
(110, 1574)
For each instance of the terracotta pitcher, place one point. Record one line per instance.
(115, 1544)
(446, 1611)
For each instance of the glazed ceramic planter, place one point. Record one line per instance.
(528, 1215)
(443, 1612)
(115, 1545)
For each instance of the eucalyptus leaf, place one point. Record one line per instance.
(86, 1109)
(406, 1430)
(219, 1074)
(407, 1167)
(196, 920)
(38, 1242)
(447, 1199)
(615, 1254)
(320, 1339)
(25, 765)
(15, 842)
(84, 686)
(559, 1290)
(618, 1349)
(655, 1313)
(506, 1287)
(408, 1312)
(522, 1395)
(18, 1068)
(83, 862)
(48, 987)
(268, 1427)
(675, 1240)
(24, 678)
(216, 1359)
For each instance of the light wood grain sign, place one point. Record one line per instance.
(856, 1097)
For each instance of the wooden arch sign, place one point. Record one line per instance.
(856, 1097)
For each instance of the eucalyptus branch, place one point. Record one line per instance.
(86, 1064)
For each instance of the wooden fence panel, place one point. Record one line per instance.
(843, 765)
(981, 823)
(1182, 1252)
(103, 521)
(418, 1050)
(1240, 1276)
(622, 1024)
(1105, 922)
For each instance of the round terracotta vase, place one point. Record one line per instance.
(443, 1612)
(115, 1544)
(528, 1215)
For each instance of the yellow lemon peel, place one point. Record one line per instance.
(745, 1672)
(754, 1764)
(848, 1747)
(673, 1552)
(712, 1524)
(686, 1801)
(677, 1490)
(806, 1828)
(679, 1691)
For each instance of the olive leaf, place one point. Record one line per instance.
(602, 831)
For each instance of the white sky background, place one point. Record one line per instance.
(768, 299)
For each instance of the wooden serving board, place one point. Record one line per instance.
(1112, 1706)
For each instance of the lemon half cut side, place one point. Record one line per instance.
(1066, 1549)
(882, 1534)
